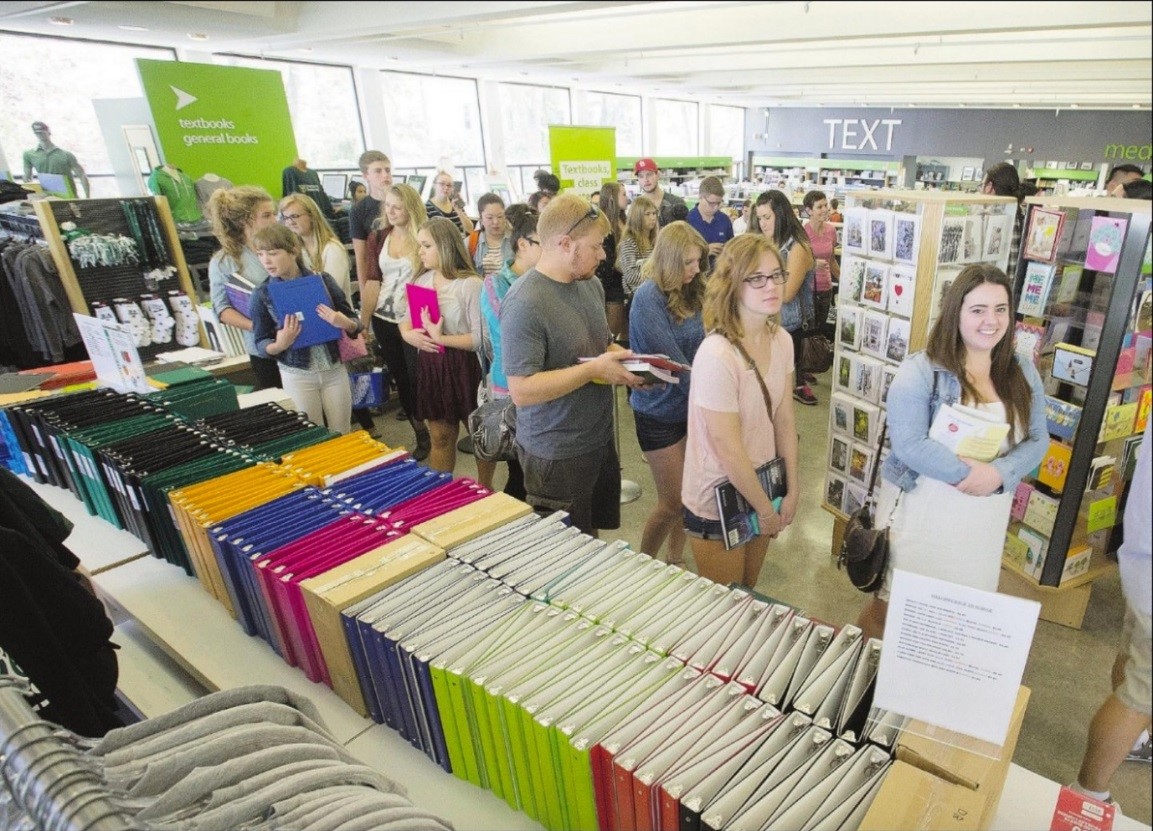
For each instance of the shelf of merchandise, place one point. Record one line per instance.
(1070, 175)
(942, 232)
(827, 173)
(1100, 303)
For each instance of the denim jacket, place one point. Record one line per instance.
(265, 324)
(798, 313)
(913, 403)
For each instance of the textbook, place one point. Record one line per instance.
(739, 522)
(655, 369)
(239, 290)
(968, 432)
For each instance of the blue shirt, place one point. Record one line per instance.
(719, 230)
(652, 329)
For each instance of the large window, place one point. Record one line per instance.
(675, 124)
(526, 113)
(54, 80)
(322, 101)
(726, 131)
(432, 118)
(621, 111)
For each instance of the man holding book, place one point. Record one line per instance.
(552, 316)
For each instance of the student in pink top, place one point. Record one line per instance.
(823, 239)
(731, 431)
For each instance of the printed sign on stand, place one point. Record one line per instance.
(112, 350)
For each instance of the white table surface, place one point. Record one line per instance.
(1028, 801)
(99, 544)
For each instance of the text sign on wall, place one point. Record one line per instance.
(861, 133)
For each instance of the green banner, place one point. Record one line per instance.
(583, 157)
(228, 120)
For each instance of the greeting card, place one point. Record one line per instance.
(1035, 289)
(873, 290)
(1044, 233)
(1027, 340)
(849, 327)
(874, 326)
(880, 229)
(1106, 236)
(855, 230)
(906, 237)
(852, 280)
(897, 339)
(901, 285)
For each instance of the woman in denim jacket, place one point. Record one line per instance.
(947, 515)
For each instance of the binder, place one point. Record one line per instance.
(299, 297)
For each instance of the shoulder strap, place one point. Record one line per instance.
(877, 459)
(473, 242)
(753, 365)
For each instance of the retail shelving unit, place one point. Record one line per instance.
(1084, 275)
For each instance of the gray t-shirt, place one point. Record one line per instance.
(548, 325)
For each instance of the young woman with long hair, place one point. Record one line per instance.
(321, 247)
(237, 214)
(731, 429)
(665, 319)
(392, 261)
(947, 514)
(613, 202)
(637, 243)
(448, 372)
(313, 376)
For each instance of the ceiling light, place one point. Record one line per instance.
(197, 36)
(1074, 106)
(1016, 106)
(133, 28)
(1136, 106)
(61, 21)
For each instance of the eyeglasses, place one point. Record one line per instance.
(532, 241)
(291, 217)
(712, 203)
(592, 214)
(759, 281)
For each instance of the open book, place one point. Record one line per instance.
(239, 290)
(655, 369)
(969, 432)
(739, 522)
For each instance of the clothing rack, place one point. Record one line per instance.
(45, 776)
(22, 226)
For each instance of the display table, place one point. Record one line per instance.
(175, 638)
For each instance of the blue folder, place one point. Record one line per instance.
(300, 297)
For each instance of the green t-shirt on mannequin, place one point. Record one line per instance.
(178, 187)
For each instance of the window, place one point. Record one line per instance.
(322, 101)
(432, 118)
(80, 71)
(675, 124)
(526, 113)
(726, 131)
(620, 111)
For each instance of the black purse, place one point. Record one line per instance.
(864, 549)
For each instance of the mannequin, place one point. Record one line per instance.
(46, 157)
(172, 182)
(206, 185)
(297, 178)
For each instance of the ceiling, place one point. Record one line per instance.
(891, 54)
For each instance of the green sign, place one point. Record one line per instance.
(227, 120)
(583, 157)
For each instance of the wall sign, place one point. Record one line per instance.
(583, 157)
(228, 120)
(861, 133)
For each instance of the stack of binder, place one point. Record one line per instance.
(199, 396)
(268, 430)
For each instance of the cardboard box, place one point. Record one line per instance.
(466, 523)
(328, 594)
(936, 786)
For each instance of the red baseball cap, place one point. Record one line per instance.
(645, 164)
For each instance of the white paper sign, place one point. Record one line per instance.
(954, 656)
(587, 175)
(112, 350)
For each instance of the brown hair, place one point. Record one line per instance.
(666, 267)
(231, 210)
(453, 257)
(370, 156)
(711, 186)
(812, 198)
(279, 238)
(947, 349)
(611, 207)
(739, 259)
(635, 225)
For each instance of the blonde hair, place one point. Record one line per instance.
(231, 210)
(452, 256)
(564, 215)
(666, 267)
(279, 238)
(321, 230)
(635, 225)
(739, 259)
(413, 206)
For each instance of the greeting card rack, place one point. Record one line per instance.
(900, 252)
(1083, 317)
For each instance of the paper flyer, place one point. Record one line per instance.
(112, 350)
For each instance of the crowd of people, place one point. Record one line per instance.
(544, 303)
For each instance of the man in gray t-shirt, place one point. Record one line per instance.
(551, 317)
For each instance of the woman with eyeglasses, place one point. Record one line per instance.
(665, 319)
(732, 429)
(322, 251)
(441, 203)
(526, 244)
(775, 218)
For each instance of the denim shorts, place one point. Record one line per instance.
(701, 528)
(657, 435)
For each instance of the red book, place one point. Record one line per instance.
(1077, 812)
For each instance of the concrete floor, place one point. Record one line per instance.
(1068, 670)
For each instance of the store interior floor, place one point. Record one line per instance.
(1068, 669)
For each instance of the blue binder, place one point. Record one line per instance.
(300, 297)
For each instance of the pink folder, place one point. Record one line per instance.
(419, 299)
